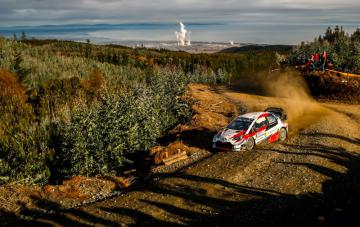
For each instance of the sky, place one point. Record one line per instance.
(276, 13)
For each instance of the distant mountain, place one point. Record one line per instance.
(258, 48)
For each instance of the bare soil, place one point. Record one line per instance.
(310, 180)
(332, 85)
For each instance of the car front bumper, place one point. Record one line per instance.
(228, 146)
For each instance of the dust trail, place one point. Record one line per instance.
(295, 98)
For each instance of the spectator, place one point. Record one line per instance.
(324, 56)
(316, 60)
(330, 66)
(308, 66)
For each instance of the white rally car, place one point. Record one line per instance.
(252, 128)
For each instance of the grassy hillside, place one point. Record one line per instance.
(235, 65)
(80, 109)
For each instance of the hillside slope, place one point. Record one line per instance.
(313, 178)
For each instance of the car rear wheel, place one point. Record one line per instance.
(249, 145)
(282, 134)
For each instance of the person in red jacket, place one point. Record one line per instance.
(316, 60)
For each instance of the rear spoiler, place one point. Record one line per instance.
(279, 112)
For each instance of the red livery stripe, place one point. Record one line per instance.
(247, 136)
(238, 134)
(263, 115)
(261, 129)
(274, 137)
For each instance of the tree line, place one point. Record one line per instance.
(343, 49)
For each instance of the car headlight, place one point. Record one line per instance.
(216, 137)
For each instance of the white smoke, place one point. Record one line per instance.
(183, 36)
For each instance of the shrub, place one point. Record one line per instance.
(102, 139)
(55, 96)
(93, 84)
(97, 141)
(23, 144)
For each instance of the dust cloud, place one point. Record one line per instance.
(294, 96)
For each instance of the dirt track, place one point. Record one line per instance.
(311, 179)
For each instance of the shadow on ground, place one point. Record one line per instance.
(200, 138)
(337, 205)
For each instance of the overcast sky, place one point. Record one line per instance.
(279, 20)
(40, 12)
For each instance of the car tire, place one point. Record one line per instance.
(250, 144)
(282, 134)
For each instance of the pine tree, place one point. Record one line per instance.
(23, 36)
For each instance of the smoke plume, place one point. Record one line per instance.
(183, 36)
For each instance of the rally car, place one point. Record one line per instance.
(252, 128)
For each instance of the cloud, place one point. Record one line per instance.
(24, 12)
(252, 20)
(37, 12)
(261, 21)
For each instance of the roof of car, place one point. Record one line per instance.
(253, 115)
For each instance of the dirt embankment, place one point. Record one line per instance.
(312, 179)
(211, 112)
(334, 86)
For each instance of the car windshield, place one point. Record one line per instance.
(241, 123)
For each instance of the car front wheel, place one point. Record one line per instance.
(249, 145)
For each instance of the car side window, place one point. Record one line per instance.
(272, 120)
(260, 123)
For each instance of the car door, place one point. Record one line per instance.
(272, 125)
(260, 129)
